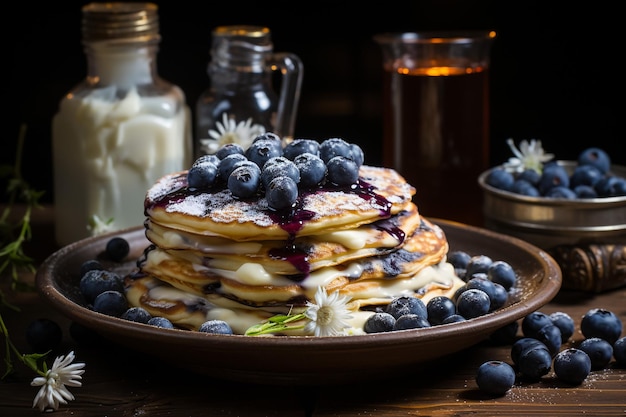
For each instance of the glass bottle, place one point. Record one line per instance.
(118, 130)
(241, 101)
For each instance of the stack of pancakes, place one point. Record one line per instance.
(217, 257)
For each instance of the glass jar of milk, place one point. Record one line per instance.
(120, 129)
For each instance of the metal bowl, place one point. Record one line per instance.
(587, 237)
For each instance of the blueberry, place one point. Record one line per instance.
(312, 169)
(245, 179)
(137, 314)
(533, 322)
(500, 178)
(529, 175)
(585, 191)
(410, 321)
(572, 366)
(455, 318)
(111, 303)
(333, 147)
(95, 282)
(501, 272)
(161, 322)
(601, 323)
(459, 259)
(202, 176)
(357, 154)
(43, 335)
(553, 176)
(279, 166)
(561, 192)
(477, 264)
(215, 327)
(524, 187)
(228, 164)
(585, 175)
(379, 322)
(90, 265)
(550, 335)
(619, 351)
(611, 186)
(213, 159)
(480, 281)
(499, 298)
(534, 362)
(229, 149)
(473, 303)
(495, 377)
(522, 345)
(263, 149)
(299, 146)
(596, 157)
(342, 171)
(439, 308)
(402, 305)
(117, 248)
(565, 323)
(599, 350)
(281, 193)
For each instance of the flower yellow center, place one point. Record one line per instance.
(324, 316)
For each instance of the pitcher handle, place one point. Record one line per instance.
(291, 69)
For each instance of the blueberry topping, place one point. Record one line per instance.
(342, 171)
(245, 179)
(281, 193)
(300, 146)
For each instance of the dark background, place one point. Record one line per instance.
(555, 69)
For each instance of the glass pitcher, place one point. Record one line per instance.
(241, 102)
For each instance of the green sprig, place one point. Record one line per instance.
(277, 324)
(12, 255)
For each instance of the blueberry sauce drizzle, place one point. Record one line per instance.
(292, 220)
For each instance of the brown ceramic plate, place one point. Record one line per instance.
(305, 360)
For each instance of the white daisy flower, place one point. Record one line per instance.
(329, 316)
(54, 383)
(530, 155)
(230, 131)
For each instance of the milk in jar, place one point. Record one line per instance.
(120, 129)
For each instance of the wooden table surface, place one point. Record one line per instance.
(119, 382)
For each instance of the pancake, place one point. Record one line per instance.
(215, 256)
(295, 256)
(252, 285)
(380, 193)
(189, 311)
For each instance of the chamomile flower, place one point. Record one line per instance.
(530, 155)
(230, 131)
(55, 381)
(329, 315)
